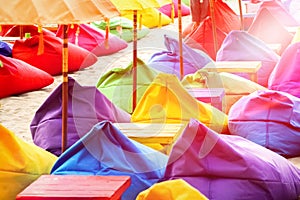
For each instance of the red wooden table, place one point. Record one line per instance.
(66, 187)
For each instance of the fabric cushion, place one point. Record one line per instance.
(167, 9)
(5, 49)
(176, 106)
(93, 39)
(105, 150)
(241, 46)
(17, 77)
(86, 107)
(230, 167)
(168, 61)
(274, 123)
(285, 76)
(51, 59)
(22, 163)
(116, 84)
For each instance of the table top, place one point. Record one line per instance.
(206, 92)
(235, 66)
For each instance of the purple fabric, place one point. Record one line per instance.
(5, 49)
(86, 107)
(168, 61)
(231, 167)
(268, 118)
(241, 46)
(285, 76)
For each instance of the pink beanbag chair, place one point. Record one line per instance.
(17, 77)
(51, 59)
(93, 39)
(167, 9)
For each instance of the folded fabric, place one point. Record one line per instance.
(104, 150)
(22, 163)
(93, 40)
(241, 46)
(86, 107)
(176, 106)
(285, 77)
(268, 118)
(50, 60)
(18, 77)
(216, 164)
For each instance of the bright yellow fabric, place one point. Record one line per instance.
(234, 85)
(21, 164)
(150, 17)
(166, 101)
(138, 4)
(296, 37)
(172, 190)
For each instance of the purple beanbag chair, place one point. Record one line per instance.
(270, 119)
(5, 49)
(167, 9)
(241, 46)
(168, 61)
(86, 107)
(285, 76)
(93, 39)
(231, 167)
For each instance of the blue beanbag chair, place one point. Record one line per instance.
(240, 45)
(230, 167)
(268, 118)
(105, 150)
(5, 49)
(86, 107)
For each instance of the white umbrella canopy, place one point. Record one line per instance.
(64, 12)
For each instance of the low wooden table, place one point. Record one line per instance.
(249, 67)
(152, 133)
(71, 187)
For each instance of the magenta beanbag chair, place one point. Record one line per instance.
(285, 76)
(230, 167)
(93, 39)
(17, 77)
(51, 59)
(167, 9)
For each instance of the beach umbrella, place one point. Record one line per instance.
(135, 6)
(64, 12)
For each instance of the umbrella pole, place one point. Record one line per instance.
(64, 89)
(241, 15)
(213, 19)
(180, 40)
(134, 64)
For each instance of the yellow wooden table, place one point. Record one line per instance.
(159, 136)
(249, 67)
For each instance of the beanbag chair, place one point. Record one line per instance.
(241, 46)
(14, 31)
(93, 39)
(166, 101)
(5, 49)
(230, 82)
(117, 86)
(86, 107)
(202, 38)
(51, 59)
(123, 28)
(169, 61)
(267, 28)
(230, 167)
(172, 189)
(22, 163)
(285, 76)
(18, 77)
(167, 9)
(269, 118)
(150, 17)
(104, 150)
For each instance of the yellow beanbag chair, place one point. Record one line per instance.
(166, 101)
(172, 190)
(21, 164)
(149, 17)
(234, 85)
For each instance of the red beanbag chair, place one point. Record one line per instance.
(93, 39)
(51, 59)
(17, 77)
(167, 9)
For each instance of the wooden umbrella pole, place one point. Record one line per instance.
(213, 19)
(241, 15)
(180, 40)
(134, 64)
(64, 137)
